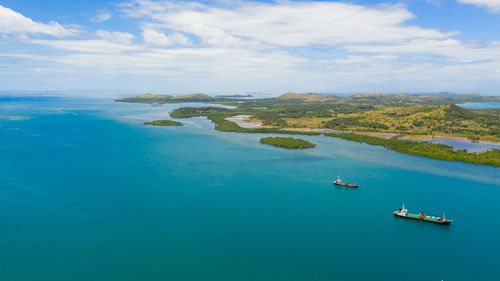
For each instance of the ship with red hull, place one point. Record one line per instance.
(403, 213)
(338, 181)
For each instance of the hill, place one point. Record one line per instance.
(152, 96)
(197, 96)
(308, 97)
(156, 98)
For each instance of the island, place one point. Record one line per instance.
(400, 122)
(160, 98)
(163, 123)
(289, 142)
(234, 96)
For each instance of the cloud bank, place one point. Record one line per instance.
(12, 22)
(492, 5)
(269, 47)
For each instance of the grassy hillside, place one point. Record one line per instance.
(146, 98)
(444, 120)
(193, 97)
(309, 97)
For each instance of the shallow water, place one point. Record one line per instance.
(459, 144)
(242, 121)
(89, 193)
(466, 144)
(480, 105)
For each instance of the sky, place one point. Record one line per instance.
(235, 47)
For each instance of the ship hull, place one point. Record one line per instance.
(424, 219)
(346, 185)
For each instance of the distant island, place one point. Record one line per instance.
(197, 97)
(163, 123)
(158, 98)
(234, 96)
(377, 119)
(289, 142)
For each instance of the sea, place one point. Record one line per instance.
(480, 105)
(87, 192)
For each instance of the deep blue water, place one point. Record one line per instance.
(89, 193)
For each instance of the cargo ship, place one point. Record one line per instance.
(403, 213)
(338, 181)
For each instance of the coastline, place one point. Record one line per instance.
(381, 134)
(430, 137)
(478, 147)
(247, 122)
(224, 121)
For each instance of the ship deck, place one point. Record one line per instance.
(429, 219)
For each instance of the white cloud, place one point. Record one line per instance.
(91, 46)
(285, 23)
(491, 5)
(101, 17)
(12, 22)
(115, 36)
(279, 46)
(157, 38)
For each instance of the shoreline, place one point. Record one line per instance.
(247, 121)
(258, 125)
(419, 148)
(430, 137)
(389, 135)
(483, 140)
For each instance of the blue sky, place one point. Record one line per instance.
(272, 47)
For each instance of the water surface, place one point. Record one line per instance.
(89, 193)
(468, 145)
(480, 105)
(459, 144)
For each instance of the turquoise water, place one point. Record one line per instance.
(89, 193)
(480, 105)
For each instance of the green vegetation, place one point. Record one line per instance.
(426, 149)
(413, 116)
(388, 100)
(218, 115)
(193, 97)
(146, 98)
(309, 97)
(164, 123)
(234, 96)
(289, 142)
(437, 151)
(441, 120)
(409, 115)
(186, 112)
